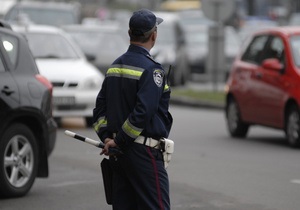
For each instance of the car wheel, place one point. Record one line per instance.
(18, 161)
(292, 127)
(89, 121)
(235, 125)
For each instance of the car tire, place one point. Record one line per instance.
(235, 125)
(18, 161)
(292, 128)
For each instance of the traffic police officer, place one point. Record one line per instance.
(132, 114)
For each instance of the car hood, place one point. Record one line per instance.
(57, 69)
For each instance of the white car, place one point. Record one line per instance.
(76, 82)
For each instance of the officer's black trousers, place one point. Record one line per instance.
(140, 181)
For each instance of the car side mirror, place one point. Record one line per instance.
(272, 64)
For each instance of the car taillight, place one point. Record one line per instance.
(48, 85)
(45, 82)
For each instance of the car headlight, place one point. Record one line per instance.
(92, 83)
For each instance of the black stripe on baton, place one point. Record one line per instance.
(85, 139)
(77, 136)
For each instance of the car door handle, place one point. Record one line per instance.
(7, 91)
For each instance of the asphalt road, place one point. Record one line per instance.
(209, 170)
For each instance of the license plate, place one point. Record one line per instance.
(63, 100)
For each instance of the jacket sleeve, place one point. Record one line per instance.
(150, 89)
(99, 114)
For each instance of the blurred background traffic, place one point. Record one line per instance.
(100, 27)
(74, 42)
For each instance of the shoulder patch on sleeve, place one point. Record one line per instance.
(158, 76)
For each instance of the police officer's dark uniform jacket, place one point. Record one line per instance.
(141, 86)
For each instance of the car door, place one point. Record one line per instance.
(9, 94)
(271, 96)
(249, 79)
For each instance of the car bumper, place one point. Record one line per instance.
(74, 103)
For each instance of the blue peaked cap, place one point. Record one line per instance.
(143, 21)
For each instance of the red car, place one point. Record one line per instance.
(264, 84)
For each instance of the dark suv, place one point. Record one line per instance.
(27, 128)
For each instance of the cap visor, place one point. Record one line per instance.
(159, 20)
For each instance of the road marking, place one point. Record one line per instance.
(295, 181)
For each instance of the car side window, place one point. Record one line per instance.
(254, 51)
(10, 45)
(275, 49)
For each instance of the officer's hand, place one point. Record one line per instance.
(107, 140)
(108, 143)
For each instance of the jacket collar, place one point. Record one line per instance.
(138, 49)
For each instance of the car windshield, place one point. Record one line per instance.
(49, 16)
(166, 35)
(91, 42)
(295, 44)
(197, 37)
(50, 46)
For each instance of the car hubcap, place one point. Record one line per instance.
(19, 161)
(293, 128)
(232, 117)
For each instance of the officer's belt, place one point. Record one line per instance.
(150, 142)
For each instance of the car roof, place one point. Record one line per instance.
(284, 30)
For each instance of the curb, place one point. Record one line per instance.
(186, 101)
